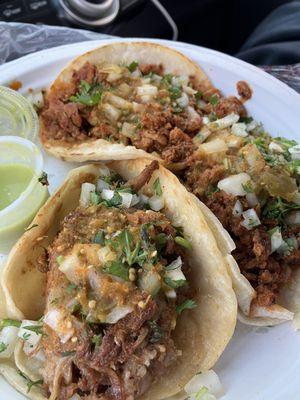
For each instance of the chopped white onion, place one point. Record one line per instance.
(137, 107)
(76, 396)
(68, 267)
(175, 274)
(209, 380)
(101, 184)
(147, 92)
(56, 321)
(179, 80)
(193, 116)
(276, 239)
(202, 105)
(118, 101)
(118, 313)
(293, 218)
(143, 199)
(239, 129)
(9, 338)
(30, 337)
(251, 219)
(252, 125)
(135, 200)
(85, 195)
(214, 146)
(223, 123)
(126, 199)
(105, 255)
(252, 199)
(111, 112)
(188, 90)
(36, 99)
(205, 120)
(183, 100)
(114, 72)
(136, 73)
(150, 281)
(107, 194)
(202, 135)
(156, 203)
(275, 148)
(175, 264)
(171, 294)
(234, 184)
(237, 209)
(128, 129)
(295, 152)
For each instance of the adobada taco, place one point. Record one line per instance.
(124, 101)
(118, 291)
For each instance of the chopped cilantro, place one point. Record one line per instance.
(183, 242)
(26, 336)
(247, 186)
(89, 95)
(30, 383)
(38, 329)
(99, 238)
(278, 208)
(133, 66)
(115, 201)
(214, 100)
(157, 187)
(187, 304)
(9, 322)
(3, 347)
(198, 95)
(167, 79)
(246, 120)
(117, 268)
(175, 92)
(174, 284)
(95, 198)
(71, 287)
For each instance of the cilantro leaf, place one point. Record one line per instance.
(174, 284)
(117, 268)
(89, 95)
(9, 322)
(99, 238)
(187, 304)
(3, 347)
(278, 208)
(30, 383)
(133, 66)
(214, 100)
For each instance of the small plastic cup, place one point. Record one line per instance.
(16, 217)
(17, 115)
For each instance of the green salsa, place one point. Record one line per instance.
(14, 179)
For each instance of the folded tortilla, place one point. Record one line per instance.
(92, 149)
(201, 333)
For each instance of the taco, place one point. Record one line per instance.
(155, 100)
(129, 295)
(124, 101)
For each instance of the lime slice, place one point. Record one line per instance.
(17, 115)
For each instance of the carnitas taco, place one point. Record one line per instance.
(144, 97)
(124, 101)
(118, 291)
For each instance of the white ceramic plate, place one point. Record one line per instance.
(259, 363)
